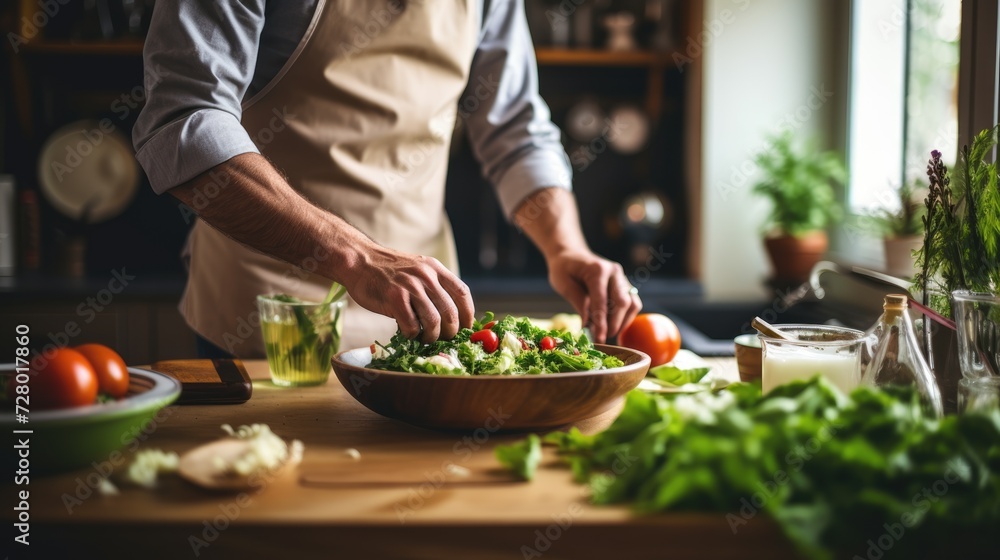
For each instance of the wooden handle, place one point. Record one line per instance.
(765, 328)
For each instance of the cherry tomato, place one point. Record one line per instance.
(112, 374)
(487, 338)
(653, 334)
(64, 380)
(489, 325)
(547, 343)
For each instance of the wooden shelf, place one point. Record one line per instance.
(593, 57)
(131, 47)
(656, 63)
(545, 56)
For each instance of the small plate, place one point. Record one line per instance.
(686, 359)
(493, 402)
(85, 164)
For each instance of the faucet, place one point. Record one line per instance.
(814, 274)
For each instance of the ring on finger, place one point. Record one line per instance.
(633, 290)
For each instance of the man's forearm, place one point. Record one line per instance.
(258, 208)
(595, 286)
(247, 199)
(551, 220)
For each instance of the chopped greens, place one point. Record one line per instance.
(516, 350)
(521, 458)
(836, 473)
(673, 375)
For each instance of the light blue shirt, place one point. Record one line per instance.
(204, 59)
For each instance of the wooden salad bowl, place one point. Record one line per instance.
(497, 403)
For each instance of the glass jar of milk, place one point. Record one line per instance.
(833, 352)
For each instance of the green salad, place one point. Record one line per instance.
(508, 346)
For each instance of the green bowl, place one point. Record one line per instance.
(91, 436)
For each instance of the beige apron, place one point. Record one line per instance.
(359, 119)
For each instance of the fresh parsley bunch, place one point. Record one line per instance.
(838, 474)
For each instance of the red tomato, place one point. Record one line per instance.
(488, 338)
(547, 343)
(653, 334)
(64, 380)
(489, 325)
(112, 374)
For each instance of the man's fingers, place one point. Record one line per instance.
(575, 293)
(406, 319)
(597, 289)
(462, 298)
(446, 310)
(430, 320)
(619, 301)
(634, 308)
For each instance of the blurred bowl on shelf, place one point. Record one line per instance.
(585, 121)
(628, 129)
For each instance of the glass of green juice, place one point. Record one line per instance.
(300, 338)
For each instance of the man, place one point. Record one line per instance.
(311, 137)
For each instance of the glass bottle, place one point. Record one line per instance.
(896, 358)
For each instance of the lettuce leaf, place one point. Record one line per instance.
(521, 458)
(673, 375)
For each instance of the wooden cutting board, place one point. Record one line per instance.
(389, 473)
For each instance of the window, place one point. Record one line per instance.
(931, 121)
(902, 50)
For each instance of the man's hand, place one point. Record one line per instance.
(423, 296)
(596, 287)
(259, 209)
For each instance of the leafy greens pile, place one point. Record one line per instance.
(836, 473)
(509, 346)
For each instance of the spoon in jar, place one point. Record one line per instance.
(766, 329)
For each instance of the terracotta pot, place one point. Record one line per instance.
(899, 258)
(793, 257)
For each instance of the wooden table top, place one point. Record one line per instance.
(418, 518)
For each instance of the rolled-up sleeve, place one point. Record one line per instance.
(199, 59)
(508, 123)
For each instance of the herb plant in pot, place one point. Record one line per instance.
(799, 183)
(902, 231)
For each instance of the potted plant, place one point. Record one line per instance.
(902, 231)
(799, 183)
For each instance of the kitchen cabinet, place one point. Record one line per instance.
(57, 82)
(140, 331)
(140, 320)
(618, 191)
